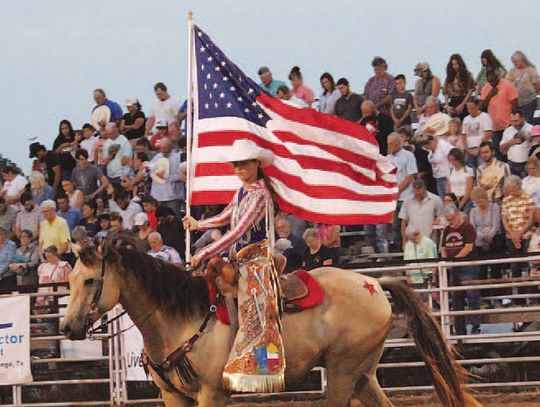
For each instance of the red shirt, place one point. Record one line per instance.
(152, 219)
(454, 239)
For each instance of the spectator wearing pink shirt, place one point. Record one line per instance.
(300, 90)
(499, 96)
(329, 237)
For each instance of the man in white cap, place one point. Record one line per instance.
(133, 122)
(53, 230)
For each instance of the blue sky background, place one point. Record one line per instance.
(55, 52)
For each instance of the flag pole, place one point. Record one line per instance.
(189, 129)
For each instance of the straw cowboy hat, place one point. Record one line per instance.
(101, 114)
(243, 150)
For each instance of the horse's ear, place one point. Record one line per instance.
(103, 248)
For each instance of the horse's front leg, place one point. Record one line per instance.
(172, 399)
(210, 396)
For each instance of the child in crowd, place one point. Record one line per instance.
(149, 207)
(104, 224)
(454, 135)
(402, 104)
(162, 130)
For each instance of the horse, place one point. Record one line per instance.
(170, 307)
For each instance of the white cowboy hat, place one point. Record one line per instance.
(160, 165)
(243, 150)
(101, 114)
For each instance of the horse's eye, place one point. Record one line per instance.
(88, 282)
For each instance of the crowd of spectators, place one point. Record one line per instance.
(466, 149)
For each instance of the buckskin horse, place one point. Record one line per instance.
(186, 348)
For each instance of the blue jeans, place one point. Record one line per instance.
(528, 110)
(376, 237)
(460, 276)
(496, 138)
(517, 268)
(396, 228)
(441, 186)
(517, 169)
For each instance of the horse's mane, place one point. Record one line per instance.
(170, 287)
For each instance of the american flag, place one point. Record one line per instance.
(327, 170)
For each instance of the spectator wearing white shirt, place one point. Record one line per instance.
(516, 142)
(460, 179)
(438, 151)
(14, 185)
(124, 207)
(531, 183)
(116, 147)
(160, 251)
(89, 141)
(330, 94)
(285, 94)
(166, 107)
(405, 163)
(477, 127)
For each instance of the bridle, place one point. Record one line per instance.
(94, 308)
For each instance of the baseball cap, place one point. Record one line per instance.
(162, 124)
(131, 101)
(140, 219)
(421, 66)
(34, 148)
(263, 69)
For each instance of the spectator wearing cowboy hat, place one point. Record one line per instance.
(105, 110)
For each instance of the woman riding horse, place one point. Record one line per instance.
(256, 362)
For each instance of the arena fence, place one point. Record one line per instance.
(395, 375)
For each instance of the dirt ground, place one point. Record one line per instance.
(495, 400)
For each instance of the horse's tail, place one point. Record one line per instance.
(447, 375)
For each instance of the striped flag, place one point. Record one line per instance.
(327, 170)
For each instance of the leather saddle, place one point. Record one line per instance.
(223, 274)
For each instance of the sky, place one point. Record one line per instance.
(54, 53)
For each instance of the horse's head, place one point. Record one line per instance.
(94, 289)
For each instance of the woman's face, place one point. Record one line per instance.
(64, 129)
(518, 63)
(484, 61)
(481, 202)
(453, 161)
(51, 257)
(132, 109)
(295, 81)
(448, 201)
(246, 170)
(68, 186)
(455, 65)
(325, 83)
(312, 242)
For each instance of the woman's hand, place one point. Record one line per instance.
(189, 223)
(195, 261)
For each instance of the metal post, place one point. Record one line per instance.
(444, 298)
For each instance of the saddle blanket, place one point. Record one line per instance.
(300, 291)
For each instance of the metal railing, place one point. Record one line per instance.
(118, 388)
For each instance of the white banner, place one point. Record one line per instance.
(15, 340)
(133, 347)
